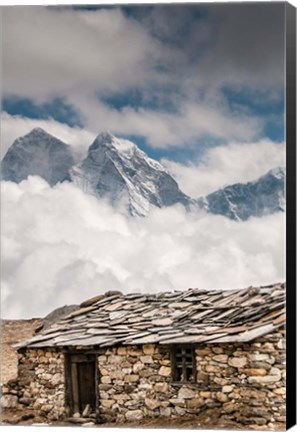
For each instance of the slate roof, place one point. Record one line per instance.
(191, 316)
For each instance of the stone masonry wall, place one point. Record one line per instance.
(40, 383)
(245, 381)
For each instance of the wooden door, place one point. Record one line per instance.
(81, 379)
(86, 385)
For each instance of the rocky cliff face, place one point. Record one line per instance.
(118, 170)
(244, 200)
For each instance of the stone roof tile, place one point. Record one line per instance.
(192, 316)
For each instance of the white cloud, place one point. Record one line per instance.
(83, 56)
(225, 165)
(52, 52)
(61, 246)
(13, 127)
(191, 122)
(108, 51)
(161, 130)
(63, 50)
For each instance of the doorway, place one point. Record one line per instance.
(81, 378)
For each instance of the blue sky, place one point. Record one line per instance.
(177, 79)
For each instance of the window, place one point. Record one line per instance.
(183, 363)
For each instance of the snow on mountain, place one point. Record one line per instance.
(241, 201)
(37, 153)
(118, 170)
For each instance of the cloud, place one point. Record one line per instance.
(178, 59)
(246, 31)
(222, 44)
(63, 50)
(61, 246)
(13, 127)
(185, 127)
(161, 130)
(224, 165)
(219, 166)
(108, 50)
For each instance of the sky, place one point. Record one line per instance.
(177, 77)
(198, 87)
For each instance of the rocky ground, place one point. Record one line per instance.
(12, 332)
(210, 420)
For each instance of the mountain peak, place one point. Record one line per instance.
(36, 135)
(257, 198)
(37, 131)
(117, 169)
(103, 140)
(278, 172)
(106, 140)
(37, 153)
(105, 136)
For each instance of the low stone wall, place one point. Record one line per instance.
(40, 383)
(244, 381)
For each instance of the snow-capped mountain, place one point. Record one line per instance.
(37, 153)
(118, 170)
(241, 201)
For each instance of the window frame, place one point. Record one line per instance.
(185, 363)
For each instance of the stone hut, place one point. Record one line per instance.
(127, 357)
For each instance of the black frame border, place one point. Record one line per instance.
(290, 63)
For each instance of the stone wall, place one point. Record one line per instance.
(135, 382)
(40, 383)
(244, 381)
(248, 380)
